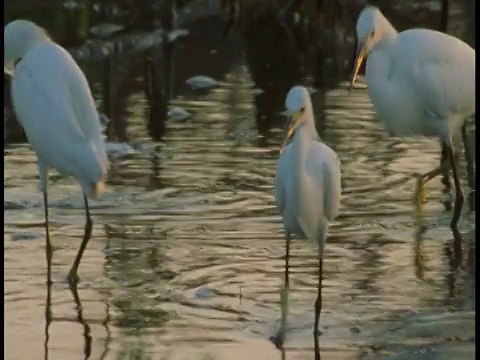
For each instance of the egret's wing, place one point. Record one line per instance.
(333, 186)
(442, 69)
(320, 193)
(48, 110)
(324, 169)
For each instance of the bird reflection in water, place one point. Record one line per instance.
(453, 251)
(49, 317)
(86, 328)
(48, 303)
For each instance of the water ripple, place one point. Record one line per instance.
(199, 217)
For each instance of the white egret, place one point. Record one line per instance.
(421, 82)
(307, 189)
(54, 105)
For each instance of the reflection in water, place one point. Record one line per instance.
(452, 250)
(372, 257)
(457, 255)
(48, 306)
(274, 68)
(156, 93)
(108, 337)
(199, 217)
(456, 266)
(471, 263)
(420, 258)
(451, 275)
(159, 73)
(80, 319)
(49, 318)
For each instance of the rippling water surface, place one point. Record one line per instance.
(186, 258)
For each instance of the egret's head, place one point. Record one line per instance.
(372, 27)
(299, 110)
(19, 36)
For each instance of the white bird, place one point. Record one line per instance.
(421, 82)
(307, 189)
(54, 105)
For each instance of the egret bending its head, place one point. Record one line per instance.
(372, 27)
(421, 82)
(307, 190)
(54, 105)
(19, 37)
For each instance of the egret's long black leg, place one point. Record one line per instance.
(72, 275)
(445, 165)
(287, 258)
(49, 254)
(279, 339)
(318, 308)
(284, 298)
(457, 207)
(48, 247)
(470, 170)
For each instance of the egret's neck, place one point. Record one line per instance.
(301, 144)
(21, 43)
(384, 32)
(380, 66)
(305, 134)
(388, 31)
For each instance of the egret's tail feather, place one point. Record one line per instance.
(94, 190)
(99, 189)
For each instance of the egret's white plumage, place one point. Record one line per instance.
(421, 82)
(307, 185)
(54, 105)
(308, 169)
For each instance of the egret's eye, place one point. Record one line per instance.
(302, 109)
(372, 34)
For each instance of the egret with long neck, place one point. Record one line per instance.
(54, 105)
(421, 83)
(307, 191)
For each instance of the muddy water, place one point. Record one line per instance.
(186, 258)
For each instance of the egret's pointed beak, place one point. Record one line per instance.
(295, 119)
(358, 62)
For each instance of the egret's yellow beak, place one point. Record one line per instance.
(358, 62)
(295, 119)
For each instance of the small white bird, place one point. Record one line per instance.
(307, 189)
(54, 105)
(421, 82)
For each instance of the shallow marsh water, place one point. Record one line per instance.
(186, 257)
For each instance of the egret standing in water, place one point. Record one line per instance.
(421, 82)
(54, 105)
(307, 190)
